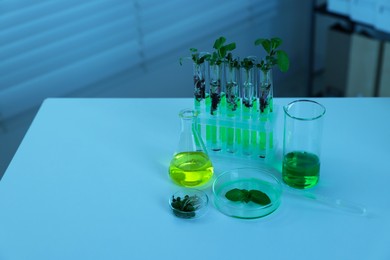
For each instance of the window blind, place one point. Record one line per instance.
(49, 48)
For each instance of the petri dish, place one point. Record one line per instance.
(197, 198)
(248, 179)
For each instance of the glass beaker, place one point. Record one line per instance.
(303, 123)
(190, 165)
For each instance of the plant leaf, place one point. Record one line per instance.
(267, 46)
(265, 43)
(222, 52)
(235, 195)
(193, 50)
(219, 43)
(229, 57)
(230, 46)
(213, 58)
(247, 195)
(201, 60)
(204, 58)
(282, 60)
(276, 42)
(259, 41)
(259, 197)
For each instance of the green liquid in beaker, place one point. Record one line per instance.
(301, 169)
(191, 169)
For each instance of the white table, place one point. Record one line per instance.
(90, 181)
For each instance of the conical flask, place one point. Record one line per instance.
(190, 165)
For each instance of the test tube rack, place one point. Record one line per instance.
(249, 136)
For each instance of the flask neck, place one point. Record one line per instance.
(189, 137)
(186, 125)
(187, 117)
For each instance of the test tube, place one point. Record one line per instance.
(233, 104)
(249, 103)
(214, 133)
(265, 96)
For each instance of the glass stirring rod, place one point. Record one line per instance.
(335, 203)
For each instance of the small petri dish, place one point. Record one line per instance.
(189, 203)
(248, 179)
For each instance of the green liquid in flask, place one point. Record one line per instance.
(191, 169)
(301, 169)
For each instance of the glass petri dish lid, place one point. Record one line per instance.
(247, 180)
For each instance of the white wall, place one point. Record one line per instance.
(166, 78)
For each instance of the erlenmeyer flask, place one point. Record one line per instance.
(190, 165)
